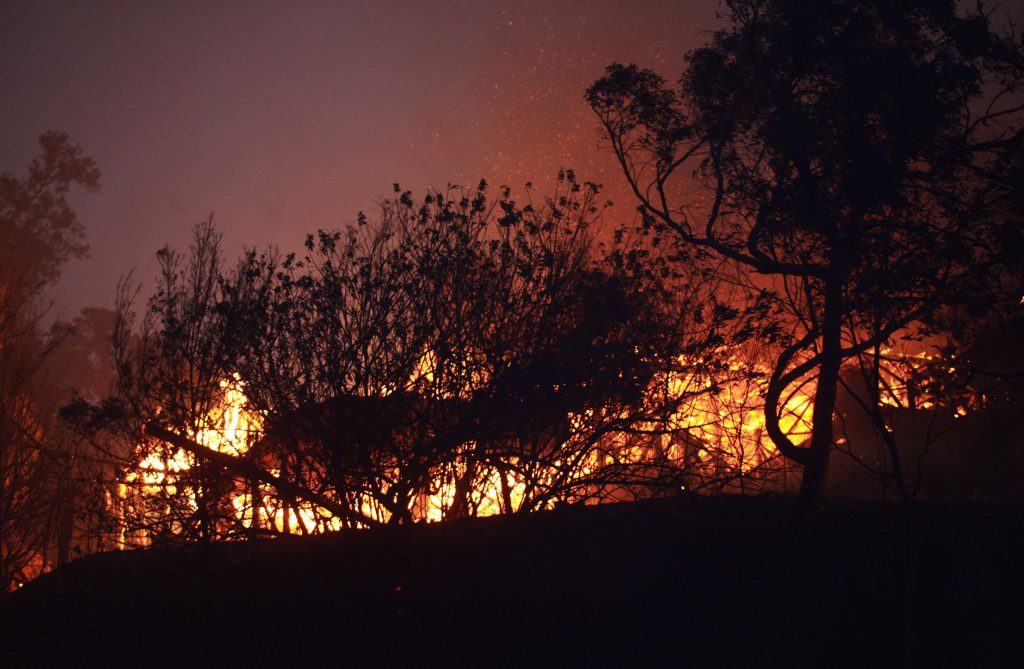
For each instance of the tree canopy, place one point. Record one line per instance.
(39, 229)
(449, 346)
(853, 159)
(39, 232)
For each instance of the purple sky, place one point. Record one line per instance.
(285, 117)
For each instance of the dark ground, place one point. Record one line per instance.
(687, 582)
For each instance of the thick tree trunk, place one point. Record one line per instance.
(816, 463)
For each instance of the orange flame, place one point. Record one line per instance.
(726, 426)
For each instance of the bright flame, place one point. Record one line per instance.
(725, 430)
(715, 437)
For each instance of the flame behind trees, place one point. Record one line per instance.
(458, 356)
(854, 157)
(464, 355)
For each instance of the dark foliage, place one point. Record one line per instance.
(458, 351)
(858, 159)
(39, 232)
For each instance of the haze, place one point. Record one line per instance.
(284, 118)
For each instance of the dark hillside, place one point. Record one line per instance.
(660, 583)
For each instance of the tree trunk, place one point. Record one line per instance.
(65, 532)
(887, 436)
(506, 488)
(255, 503)
(816, 464)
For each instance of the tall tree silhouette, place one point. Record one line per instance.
(39, 231)
(849, 156)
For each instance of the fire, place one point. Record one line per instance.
(710, 433)
(164, 474)
(714, 439)
(485, 493)
(729, 425)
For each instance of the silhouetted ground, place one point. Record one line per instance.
(668, 583)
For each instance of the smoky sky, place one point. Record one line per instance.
(282, 118)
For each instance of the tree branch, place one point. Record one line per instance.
(247, 469)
